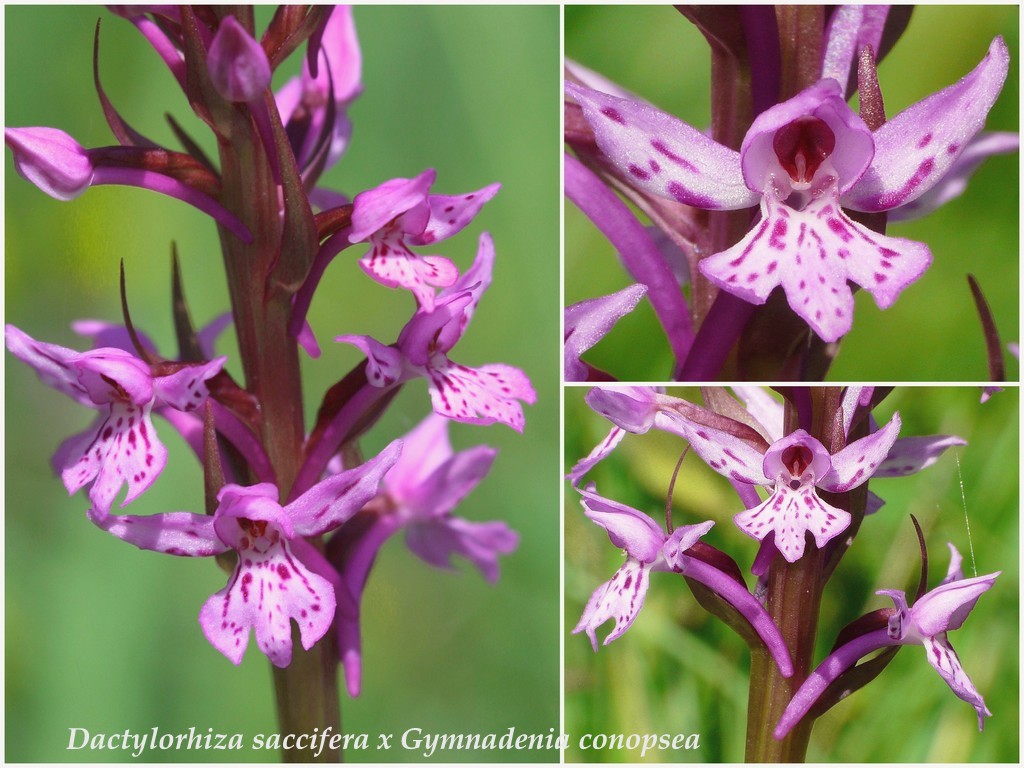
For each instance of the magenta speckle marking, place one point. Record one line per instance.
(613, 114)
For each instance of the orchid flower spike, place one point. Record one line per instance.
(277, 577)
(926, 623)
(121, 447)
(649, 549)
(803, 161)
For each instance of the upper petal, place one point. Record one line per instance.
(449, 214)
(186, 390)
(50, 159)
(858, 461)
(916, 148)
(628, 528)
(331, 502)
(946, 607)
(424, 449)
(375, 208)
(912, 454)
(823, 101)
(449, 484)
(664, 155)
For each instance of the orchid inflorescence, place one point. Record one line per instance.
(297, 516)
(815, 454)
(788, 193)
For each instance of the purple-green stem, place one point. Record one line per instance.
(306, 690)
(794, 603)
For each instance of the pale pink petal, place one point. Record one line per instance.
(858, 461)
(621, 599)
(450, 214)
(124, 450)
(483, 395)
(791, 514)
(266, 592)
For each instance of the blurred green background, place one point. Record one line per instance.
(677, 670)
(104, 637)
(932, 332)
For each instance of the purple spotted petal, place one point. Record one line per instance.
(823, 101)
(912, 454)
(916, 148)
(50, 159)
(587, 322)
(124, 450)
(811, 254)
(621, 599)
(944, 660)
(376, 209)
(954, 181)
(384, 365)
(483, 395)
(481, 543)
(663, 155)
(186, 389)
(449, 214)
(861, 459)
(728, 455)
(331, 502)
(791, 514)
(173, 533)
(53, 363)
(628, 528)
(267, 590)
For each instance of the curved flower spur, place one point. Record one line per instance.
(824, 181)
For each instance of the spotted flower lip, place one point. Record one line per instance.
(649, 549)
(121, 447)
(926, 623)
(401, 213)
(277, 577)
(803, 161)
